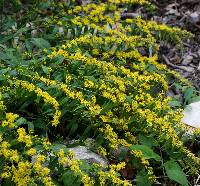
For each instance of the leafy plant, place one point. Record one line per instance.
(72, 71)
(174, 172)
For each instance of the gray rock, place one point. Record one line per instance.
(83, 153)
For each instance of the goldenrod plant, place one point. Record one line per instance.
(87, 73)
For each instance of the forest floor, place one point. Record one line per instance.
(184, 14)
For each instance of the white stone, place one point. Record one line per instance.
(192, 115)
(83, 153)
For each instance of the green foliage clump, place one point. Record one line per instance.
(80, 71)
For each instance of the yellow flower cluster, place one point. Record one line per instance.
(11, 155)
(112, 175)
(18, 169)
(23, 137)
(31, 151)
(21, 173)
(69, 161)
(94, 108)
(47, 98)
(2, 106)
(102, 151)
(121, 124)
(42, 171)
(10, 118)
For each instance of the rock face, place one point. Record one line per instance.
(192, 115)
(83, 153)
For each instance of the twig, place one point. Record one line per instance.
(189, 2)
(168, 62)
(188, 69)
(197, 26)
(162, 160)
(197, 180)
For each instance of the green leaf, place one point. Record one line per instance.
(151, 68)
(73, 127)
(28, 45)
(69, 179)
(30, 126)
(21, 30)
(188, 94)
(142, 179)
(64, 101)
(129, 99)
(86, 132)
(99, 140)
(175, 103)
(3, 46)
(146, 151)
(175, 173)
(4, 39)
(56, 147)
(84, 166)
(178, 86)
(106, 107)
(21, 121)
(40, 123)
(194, 99)
(147, 141)
(41, 43)
(45, 69)
(16, 4)
(44, 5)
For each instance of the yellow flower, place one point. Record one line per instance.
(1, 138)
(102, 151)
(31, 151)
(10, 118)
(40, 158)
(14, 155)
(61, 153)
(45, 171)
(95, 51)
(46, 144)
(89, 84)
(23, 137)
(5, 175)
(59, 23)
